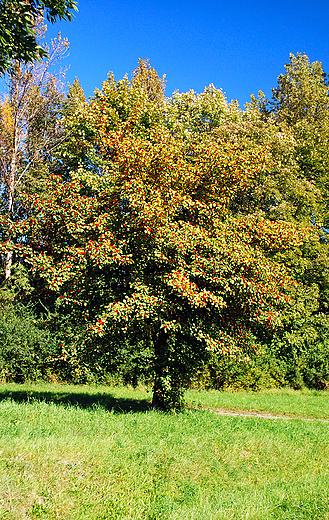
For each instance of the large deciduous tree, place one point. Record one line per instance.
(142, 242)
(294, 189)
(301, 102)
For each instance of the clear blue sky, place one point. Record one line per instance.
(240, 46)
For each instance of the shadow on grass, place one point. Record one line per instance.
(78, 399)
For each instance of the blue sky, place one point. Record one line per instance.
(240, 46)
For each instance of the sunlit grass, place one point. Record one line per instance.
(108, 456)
(304, 403)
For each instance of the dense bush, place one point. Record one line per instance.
(278, 365)
(26, 346)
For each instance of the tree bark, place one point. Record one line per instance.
(11, 181)
(160, 343)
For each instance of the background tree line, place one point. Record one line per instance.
(167, 240)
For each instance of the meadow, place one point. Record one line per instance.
(83, 452)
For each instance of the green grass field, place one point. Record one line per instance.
(304, 403)
(76, 452)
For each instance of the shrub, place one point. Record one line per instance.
(26, 347)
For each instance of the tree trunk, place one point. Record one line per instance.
(12, 171)
(8, 264)
(159, 398)
(11, 196)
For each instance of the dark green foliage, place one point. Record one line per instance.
(121, 359)
(291, 360)
(17, 27)
(26, 346)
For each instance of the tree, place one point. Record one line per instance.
(147, 77)
(301, 102)
(302, 93)
(289, 190)
(144, 246)
(30, 130)
(18, 33)
(191, 113)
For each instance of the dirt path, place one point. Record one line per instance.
(264, 415)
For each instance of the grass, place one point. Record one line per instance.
(75, 452)
(302, 403)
